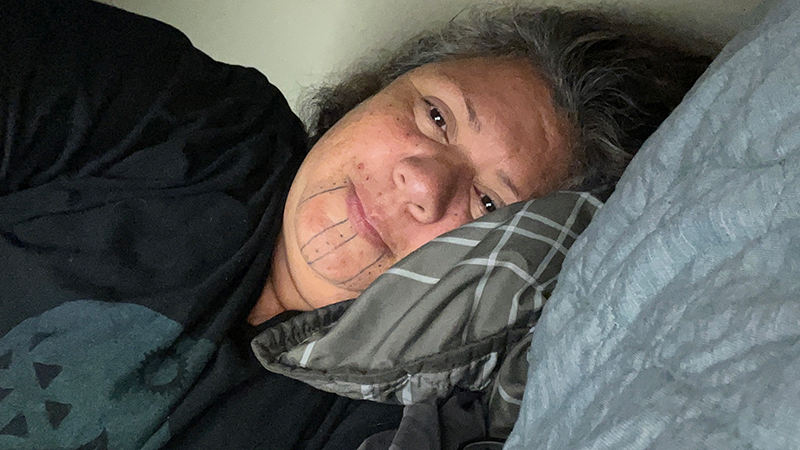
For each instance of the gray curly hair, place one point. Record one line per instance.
(616, 80)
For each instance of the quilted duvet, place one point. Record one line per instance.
(676, 320)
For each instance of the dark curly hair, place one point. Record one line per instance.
(615, 79)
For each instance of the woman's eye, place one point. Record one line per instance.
(488, 204)
(437, 117)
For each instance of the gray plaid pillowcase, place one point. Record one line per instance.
(446, 316)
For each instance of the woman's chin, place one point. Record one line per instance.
(353, 266)
(330, 244)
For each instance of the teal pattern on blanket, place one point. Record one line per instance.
(97, 375)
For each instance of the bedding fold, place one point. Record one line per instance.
(676, 321)
(456, 314)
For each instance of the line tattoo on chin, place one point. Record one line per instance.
(322, 232)
(332, 250)
(345, 284)
(326, 191)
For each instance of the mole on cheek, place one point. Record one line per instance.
(360, 166)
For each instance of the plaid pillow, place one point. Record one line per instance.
(445, 316)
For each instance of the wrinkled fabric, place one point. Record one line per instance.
(676, 321)
(427, 426)
(454, 314)
(141, 191)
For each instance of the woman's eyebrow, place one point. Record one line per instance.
(474, 123)
(472, 116)
(506, 180)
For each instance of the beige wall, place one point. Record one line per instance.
(297, 42)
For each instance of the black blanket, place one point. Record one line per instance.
(141, 190)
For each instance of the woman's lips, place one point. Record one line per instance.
(362, 225)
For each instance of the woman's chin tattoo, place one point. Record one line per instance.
(329, 243)
(366, 275)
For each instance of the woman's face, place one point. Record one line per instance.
(439, 147)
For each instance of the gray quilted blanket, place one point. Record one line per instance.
(676, 320)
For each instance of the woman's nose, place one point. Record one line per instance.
(427, 185)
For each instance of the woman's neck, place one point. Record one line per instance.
(267, 305)
(280, 292)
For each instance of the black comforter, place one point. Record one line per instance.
(141, 190)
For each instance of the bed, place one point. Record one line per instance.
(674, 322)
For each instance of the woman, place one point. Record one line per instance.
(485, 112)
(142, 188)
